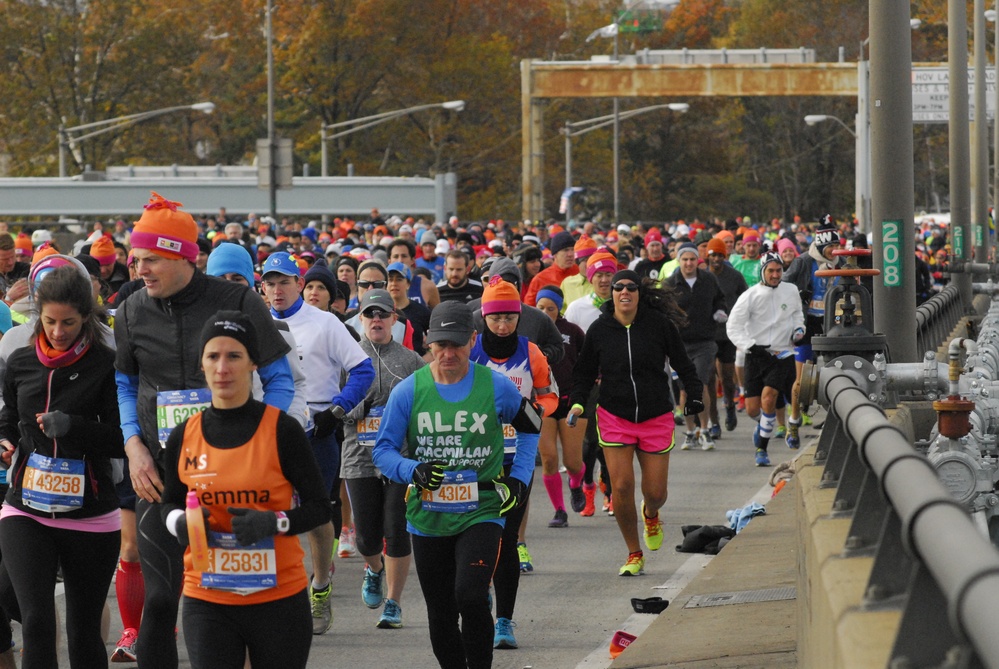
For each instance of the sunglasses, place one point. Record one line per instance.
(372, 284)
(630, 287)
(377, 314)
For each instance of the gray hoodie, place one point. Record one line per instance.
(393, 362)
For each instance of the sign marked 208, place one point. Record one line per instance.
(891, 250)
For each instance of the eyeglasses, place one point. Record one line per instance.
(377, 314)
(372, 284)
(496, 319)
(630, 287)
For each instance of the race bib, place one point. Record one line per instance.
(458, 493)
(239, 569)
(367, 427)
(509, 439)
(52, 485)
(173, 407)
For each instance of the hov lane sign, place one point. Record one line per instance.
(931, 94)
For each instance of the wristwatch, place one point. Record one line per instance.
(283, 524)
(338, 412)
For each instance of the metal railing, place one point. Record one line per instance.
(937, 317)
(930, 559)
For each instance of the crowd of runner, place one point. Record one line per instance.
(184, 395)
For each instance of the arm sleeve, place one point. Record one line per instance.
(543, 379)
(128, 395)
(278, 382)
(508, 400)
(550, 340)
(359, 379)
(584, 375)
(387, 453)
(298, 464)
(737, 320)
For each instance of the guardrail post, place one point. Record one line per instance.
(891, 572)
(834, 449)
(868, 519)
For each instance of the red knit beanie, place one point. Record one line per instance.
(166, 231)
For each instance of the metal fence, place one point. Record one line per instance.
(936, 318)
(930, 559)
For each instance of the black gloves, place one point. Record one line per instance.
(756, 349)
(428, 475)
(693, 407)
(251, 526)
(326, 423)
(512, 494)
(55, 424)
(182, 537)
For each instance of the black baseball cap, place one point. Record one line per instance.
(450, 321)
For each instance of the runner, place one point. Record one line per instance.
(379, 504)
(327, 352)
(629, 348)
(500, 348)
(451, 412)
(156, 332)
(250, 468)
(554, 429)
(59, 431)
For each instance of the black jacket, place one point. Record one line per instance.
(631, 363)
(159, 340)
(86, 391)
(700, 304)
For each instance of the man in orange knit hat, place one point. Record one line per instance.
(113, 274)
(574, 287)
(23, 248)
(157, 336)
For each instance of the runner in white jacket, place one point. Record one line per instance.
(766, 321)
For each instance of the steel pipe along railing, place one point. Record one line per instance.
(936, 529)
(936, 318)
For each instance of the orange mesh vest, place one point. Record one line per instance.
(247, 476)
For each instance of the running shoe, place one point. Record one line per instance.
(348, 547)
(503, 638)
(715, 431)
(525, 558)
(757, 437)
(689, 441)
(373, 588)
(322, 609)
(706, 442)
(741, 403)
(731, 420)
(607, 504)
(781, 431)
(561, 519)
(124, 650)
(590, 493)
(653, 530)
(391, 616)
(577, 499)
(806, 419)
(793, 440)
(762, 459)
(610, 505)
(635, 566)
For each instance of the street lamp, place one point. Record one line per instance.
(862, 166)
(358, 124)
(574, 129)
(66, 140)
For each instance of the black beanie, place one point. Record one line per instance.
(234, 324)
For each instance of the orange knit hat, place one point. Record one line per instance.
(22, 245)
(584, 247)
(103, 250)
(44, 250)
(717, 246)
(500, 297)
(166, 231)
(601, 261)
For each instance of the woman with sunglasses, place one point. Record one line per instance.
(630, 347)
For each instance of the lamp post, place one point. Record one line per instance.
(66, 140)
(990, 15)
(862, 167)
(358, 124)
(574, 129)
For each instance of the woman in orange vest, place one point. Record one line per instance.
(244, 461)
